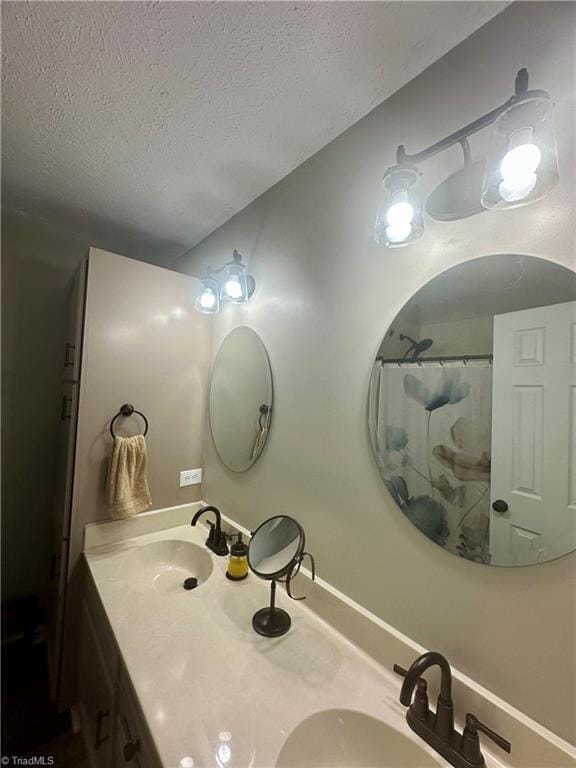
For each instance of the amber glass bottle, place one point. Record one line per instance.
(238, 562)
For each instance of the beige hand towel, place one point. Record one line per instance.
(127, 484)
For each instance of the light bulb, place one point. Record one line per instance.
(233, 289)
(519, 189)
(398, 233)
(518, 166)
(207, 299)
(399, 218)
(400, 215)
(520, 162)
(518, 172)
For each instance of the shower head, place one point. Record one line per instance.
(422, 345)
(416, 347)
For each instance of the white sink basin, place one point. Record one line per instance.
(164, 565)
(342, 738)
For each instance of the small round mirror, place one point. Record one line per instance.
(276, 551)
(275, 547)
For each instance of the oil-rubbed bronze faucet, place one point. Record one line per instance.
(461, 750)
(216, 540)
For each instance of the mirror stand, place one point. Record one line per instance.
(271, 621)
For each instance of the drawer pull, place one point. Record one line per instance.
(69, 356)
(101, 715)
(55, 566)
(131, 749)
(65, 413)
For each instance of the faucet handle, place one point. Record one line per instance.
(470, 747)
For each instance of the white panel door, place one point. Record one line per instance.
(534, 435)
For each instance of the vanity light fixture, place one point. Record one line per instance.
(229, 283)
(521, 166)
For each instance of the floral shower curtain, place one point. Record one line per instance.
(430, 427)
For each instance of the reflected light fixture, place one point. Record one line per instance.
(229, 284)
(521, 166)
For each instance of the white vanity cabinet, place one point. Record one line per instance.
(115, 732)
(96, 686)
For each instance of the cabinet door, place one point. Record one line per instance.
(61, 529)
(65, 466)
(96, 697)
(133, 747)
(75, 325)
(56, 596)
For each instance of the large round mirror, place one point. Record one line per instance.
(240, 399)
(472, 410)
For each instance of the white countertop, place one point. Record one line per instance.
(213, 690)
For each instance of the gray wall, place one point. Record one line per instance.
(325, 295)
(37, 266)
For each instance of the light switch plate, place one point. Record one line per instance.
(190, 477)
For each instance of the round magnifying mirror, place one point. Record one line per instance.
(275, 547)
(240, 399)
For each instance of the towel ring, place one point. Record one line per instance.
(127, 410)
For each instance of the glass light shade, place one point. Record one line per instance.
(399, 218)
(233, 284)
(208, 297)
(522, 161)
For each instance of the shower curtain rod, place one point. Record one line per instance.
(441, 359)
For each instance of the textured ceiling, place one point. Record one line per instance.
(144, 126)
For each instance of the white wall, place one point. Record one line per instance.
(469, 336)
(325, 296)
(37, 266)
